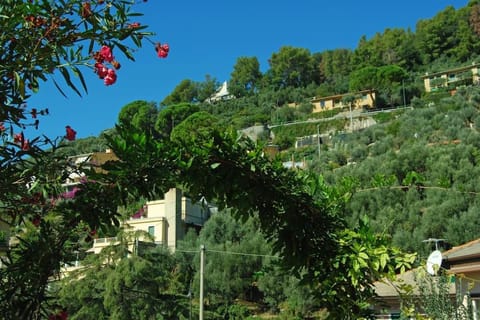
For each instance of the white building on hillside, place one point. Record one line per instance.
(221, 94)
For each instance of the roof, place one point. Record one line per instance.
(392, 288)
(342, 95)
(465, 251)
(459, 69)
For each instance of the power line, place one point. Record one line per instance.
(418, 187)
(244, 254)
(231, 252)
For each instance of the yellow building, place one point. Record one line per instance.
(452, 78)
(363, 99)
(166, 220)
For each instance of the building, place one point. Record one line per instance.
(452, 78)
(221, 94)
(462, 263)
(362, 99)
(166, 220)
(86, 161)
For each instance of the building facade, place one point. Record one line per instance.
(362, 99)
(452, 78)
(166, 220)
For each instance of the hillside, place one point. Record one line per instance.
(414, 170)
(416, 174)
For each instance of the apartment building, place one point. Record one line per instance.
(166, 220)
(452, 78)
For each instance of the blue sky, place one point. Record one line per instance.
(207, 37)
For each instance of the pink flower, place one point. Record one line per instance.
(70, 135)
(26, 145)
(70, 194)
(101, 70)
(162, 53)
(162, 50)
(110, 78)
(106, 53)
(18, 138)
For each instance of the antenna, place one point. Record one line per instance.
(434, 240)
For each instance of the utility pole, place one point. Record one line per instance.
(202, 263)
(318, 139)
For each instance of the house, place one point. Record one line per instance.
(221, 94)
(452, 78)
(82, 162)
(462, 263)
(362, 99)
(166, 220)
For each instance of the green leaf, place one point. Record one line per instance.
(76, 71)
(215, 165)
(68, 80)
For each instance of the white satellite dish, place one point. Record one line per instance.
(434, 262)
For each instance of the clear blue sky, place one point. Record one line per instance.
(207, 37)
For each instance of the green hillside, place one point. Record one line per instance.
(431, 147)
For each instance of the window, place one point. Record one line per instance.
(151, 230)
(322, 104)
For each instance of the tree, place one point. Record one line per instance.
(335, 63)
(292, 67)
(169, 117)
(365, 79)
(233, 256)
(140, 114)
(44, 40)
(299, 214)
(206, 88)
(245, 77)
(111, 285)
(185, 92)
(438, 36)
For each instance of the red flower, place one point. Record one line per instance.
(110, 78)
(70, 133)
(34, 113)
(101, 70)
(162, 53)
(18, 138)
(106, 53)
(2, 127)
(162, 50)
(26, 145)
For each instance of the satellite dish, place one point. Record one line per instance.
(434, 262)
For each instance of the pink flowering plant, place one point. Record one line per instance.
(57, 41)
